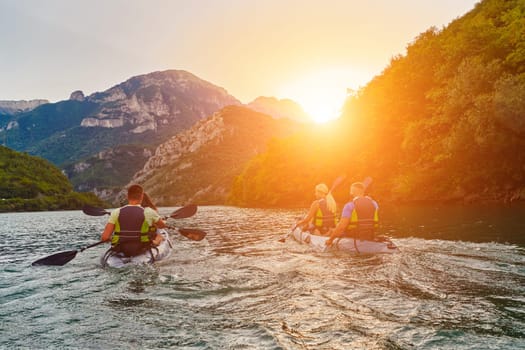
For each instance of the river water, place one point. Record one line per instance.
(457, 283)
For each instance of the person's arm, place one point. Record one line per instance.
(342, 224)
(311, 213)
(156, 221)
(160, 223)
(338, 230)
(110, 226)
(108, 231)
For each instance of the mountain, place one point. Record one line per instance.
(445, 122)
(145, 110)
(30, 183)
(115, 164)
(199, 164)
(283, 108)
(14, 107)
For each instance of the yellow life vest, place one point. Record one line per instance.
(131, 226)
(365, 217)
(324, 217)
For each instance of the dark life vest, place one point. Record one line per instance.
(364, 219)
(324, 217)
(131, 226)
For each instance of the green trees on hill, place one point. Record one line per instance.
(32, 183)
(446, 121)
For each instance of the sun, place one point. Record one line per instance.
(321, 94)
(322, 105)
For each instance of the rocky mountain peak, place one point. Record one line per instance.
(158, 99)
(77, 95)
(280, 108)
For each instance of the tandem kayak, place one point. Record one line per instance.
(381, 245)
(152, 255)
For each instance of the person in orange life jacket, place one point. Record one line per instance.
(359, 218)
(321, 216)
(131, 228)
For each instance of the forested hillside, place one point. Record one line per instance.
(141, 112)
(444, 122)
(31, 183)
(199, 165)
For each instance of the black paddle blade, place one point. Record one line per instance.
(57, 259)
(184, 212)
(94, 211)
(192, 233)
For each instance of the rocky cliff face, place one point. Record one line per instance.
(158, 99)
(77, 95)
(199, 165)
(106, 172)
(145, 110)
(14, 107)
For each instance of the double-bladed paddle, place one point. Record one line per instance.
(181, 213)
(63, 258)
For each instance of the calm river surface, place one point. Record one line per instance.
(458, 283)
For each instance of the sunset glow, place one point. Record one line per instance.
(323, 93)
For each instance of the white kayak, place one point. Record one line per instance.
(155, 254)
(381, 245)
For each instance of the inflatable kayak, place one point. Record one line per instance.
(155, 254)
(381, 245)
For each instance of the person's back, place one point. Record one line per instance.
(363, 218)
(321, 215)
(131, 235)
(359, 218)
(132, 227)
(324, 218)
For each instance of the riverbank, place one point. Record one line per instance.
(70, 201)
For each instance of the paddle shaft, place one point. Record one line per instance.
(93, 245)
(181, 213)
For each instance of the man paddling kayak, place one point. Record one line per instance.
(359, 218)
(132, 228)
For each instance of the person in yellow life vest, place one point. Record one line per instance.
(359, 218)
(321, 216)
(132, 228)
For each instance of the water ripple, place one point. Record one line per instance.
(242, 289)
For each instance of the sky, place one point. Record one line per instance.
(311, 51)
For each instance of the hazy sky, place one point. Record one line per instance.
(307, 50)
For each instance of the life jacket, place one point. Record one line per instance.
(364, 220)
(324, 217)
(131, 226)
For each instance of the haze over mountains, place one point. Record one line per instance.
(445, 122)
(13, 107)
(101, 140)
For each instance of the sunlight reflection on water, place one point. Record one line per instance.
(241, 289)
